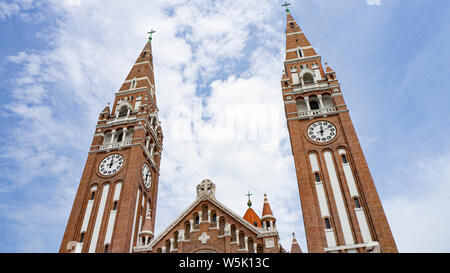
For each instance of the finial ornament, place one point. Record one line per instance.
(249, 203)
(151, 33)
(286, 4)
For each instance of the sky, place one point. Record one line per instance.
(216, 62)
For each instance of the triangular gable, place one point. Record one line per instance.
(205, 196)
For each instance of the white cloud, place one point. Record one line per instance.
(8, 9)
(374, 2)
(420, 215)
(59, 93)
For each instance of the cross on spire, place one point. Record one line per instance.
(151, 33)
(249, 203)
(286, 4)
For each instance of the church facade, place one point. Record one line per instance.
(208, 226)
(115, 205)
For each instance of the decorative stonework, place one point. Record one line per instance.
(204, 237)
(206, 186)
(269, 242)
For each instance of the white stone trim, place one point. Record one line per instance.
(293, 33)
(221, 206)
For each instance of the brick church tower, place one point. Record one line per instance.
(119, 186)
(342, 211)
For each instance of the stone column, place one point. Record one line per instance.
(307, 104)
(124, 134)
(320, 101)
(113, 135)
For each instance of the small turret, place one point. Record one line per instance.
(267, 219)
(295, 247)
(146, 234)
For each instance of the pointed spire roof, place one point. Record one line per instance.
(267, 211)
(251, 217)
(295, 247)
(147, 227)
(295, 40)
(106, 109)
(328, 69)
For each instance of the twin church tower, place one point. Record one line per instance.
(115, 205)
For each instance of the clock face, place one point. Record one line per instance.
(146, 176)
(322, 131)
(111, 164)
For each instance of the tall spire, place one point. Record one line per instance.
(297, 45)
(295, 247)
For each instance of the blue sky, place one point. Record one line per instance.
(62, 61)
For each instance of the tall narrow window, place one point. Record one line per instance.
(317, 177)
(82, 237)
(233, 233)
(205, 213)
(221, 226)
(241, 240)
(120, 137)
(115, 205)
(251, 248)
(93, 195)
(344, 159)
(327, 223)
(167, 245)
(106, 248)
(175, 240)
(299, 53)
(357, 204)
(187, 230)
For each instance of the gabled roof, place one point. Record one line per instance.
(205, 196)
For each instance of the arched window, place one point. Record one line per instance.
(222, 226)
(115, 205)
(106, 248)
(233, 233)
(205, 213)
(308, 78)
(301, 105)
(357, 204)
(187, 230)
(175, 240)
(251, 248)
(82, 237)
(167, 245)
(107, 138)
(327, 102)
(241, 240)
(196, 220)
(327, 223)
(213, 218)
(260, 249)
(93, 195)
(123, 111)
(159, 250)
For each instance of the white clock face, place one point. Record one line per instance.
(146, 176)
(321, 131)
(111, 164)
